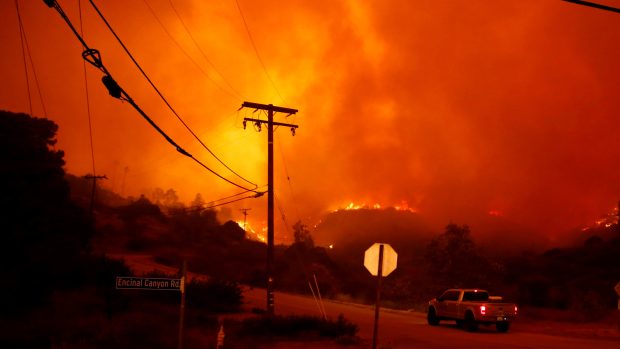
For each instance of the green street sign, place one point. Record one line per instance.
(136, 283)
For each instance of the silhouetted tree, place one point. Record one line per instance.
(454, 258)
(44, 236)
(167, 199)
(302, 235)
(140, 208)
(198, 202)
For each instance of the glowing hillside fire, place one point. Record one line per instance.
(606, 221)
(250, 233)
(403, 206)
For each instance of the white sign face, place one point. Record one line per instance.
(371, 259)
(617, 288)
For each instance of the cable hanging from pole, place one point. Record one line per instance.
(88, 113)
(93, 57)
(118, 39)
(594, 5)
(257, 195)
(21, 40)
(204, 55)
(213, 202)
(260, 60)
(178, 45)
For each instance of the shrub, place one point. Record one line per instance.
(295, 326)
(214, 296)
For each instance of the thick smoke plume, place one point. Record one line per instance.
(459, 109)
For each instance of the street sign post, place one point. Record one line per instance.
(161, 284)
(617, 289)
(380, 260)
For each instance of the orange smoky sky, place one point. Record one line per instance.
(457, 108)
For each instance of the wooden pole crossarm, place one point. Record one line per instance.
(273, 108)
(275, 123)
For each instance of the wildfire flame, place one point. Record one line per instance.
(251, 233)
(607, 221)
(403, 206)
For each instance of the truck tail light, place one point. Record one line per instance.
(515, 310)
(483, 310)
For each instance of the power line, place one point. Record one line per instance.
(288, 179)
(27, 52)
(162, 96)
(594, 5)
(21, 40)
(254, 196)
(235, 195)
(178, 45)
(232, 201)
(93, 57)
(260, 60)
(204, 55)
(90, 127)
(94, 176)
(283, 215)
(34, 73)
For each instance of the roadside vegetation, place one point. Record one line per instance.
(59, 285)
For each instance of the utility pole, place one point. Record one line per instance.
(271, 109)
(92, 195)
(245, 217)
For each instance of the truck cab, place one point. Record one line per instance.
(470, 308)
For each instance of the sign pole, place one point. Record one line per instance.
(617, 289)
(182, 310)
(380, 260)
(375, 332)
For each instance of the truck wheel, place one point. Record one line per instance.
(431, 317)
(502, 326)
(470, 322)
(459, 323)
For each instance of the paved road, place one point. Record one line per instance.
(403, 330)
(400, 329)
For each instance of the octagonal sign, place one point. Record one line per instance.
(371, 259)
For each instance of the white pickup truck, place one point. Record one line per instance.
(470, 308)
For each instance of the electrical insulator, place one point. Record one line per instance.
(113, 89)
(93, 57)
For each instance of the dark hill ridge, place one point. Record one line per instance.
(406, 230)
(361, 228)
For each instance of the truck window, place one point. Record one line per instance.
(479, 296)
(450, 296)
(454, 295)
